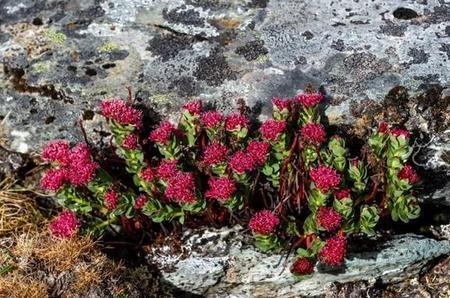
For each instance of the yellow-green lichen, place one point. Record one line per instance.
(40, 67)
(108, 48)
(160, 98)
(54, 36)
(262, 58)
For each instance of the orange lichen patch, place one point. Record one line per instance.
(227, 23)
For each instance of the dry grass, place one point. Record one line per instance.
(39, 259)
(15, 285)
(18, 211)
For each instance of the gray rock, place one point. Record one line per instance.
(222, 263)
(61, 57)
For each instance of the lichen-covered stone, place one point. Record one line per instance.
(222, 263)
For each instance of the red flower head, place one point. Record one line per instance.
(193, 107)
(167, 169)
(328, 218)
(211, 119)
(309, 100)
(111, 199)
(54, 179)
(313, 133)
(147, 174)
(325, 178)
(236, 121)
(264, 222)
(408, 173)
(82, 169)
(383, 128)
(181, 188)
(258, 151)
(271, 129)
(220, 188)
(140, 202)
(302, 266)
(65, 225)
(214, 154)
(58, 151)
(121, 113)
(333, 253)
(130, 142)
(281, 104)
(162, 134)
(342, 194)
(397, 132)
(241, 161)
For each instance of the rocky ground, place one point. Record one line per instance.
(60, 58)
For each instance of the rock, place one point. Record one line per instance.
(61, 58)
(215, 262)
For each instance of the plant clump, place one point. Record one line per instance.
(292, 183)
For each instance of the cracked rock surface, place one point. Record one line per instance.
(222, 263)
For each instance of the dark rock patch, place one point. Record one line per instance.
(214, 69)
(308, 35)
(445, 47)
(185, 86)
(167, 46)
(181, 16)
(338, 45)
(252, 50)
(404, 13)
(258, 3)
(419, 56)
(393, 29)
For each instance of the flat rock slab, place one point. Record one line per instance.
(219, 263)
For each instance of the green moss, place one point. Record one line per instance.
(55, 36)
(108, 48)
(262, 58)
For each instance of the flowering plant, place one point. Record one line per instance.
(290, 183)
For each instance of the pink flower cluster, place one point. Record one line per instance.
(408, 173)
(342, 194)
(181, 188)
(309, 100)
(74, 165)
(281, 103)
(147, 174)
(313, 133)
(54, 179)
(241, 161)
(57, 151)
(214, 154)
(258, 151)
(130, 142)
(325, 178)
(162, 134)
(167, 169)
(220, 188)
(271, 129)
(121, 113)
(211, 119)
(333, 253)
(236, 122)
(397, 132)
(328, 218)
(65, 225)
(140, 202)
(193, 107)
(302, 266)
(264, 222)
(111, 199)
